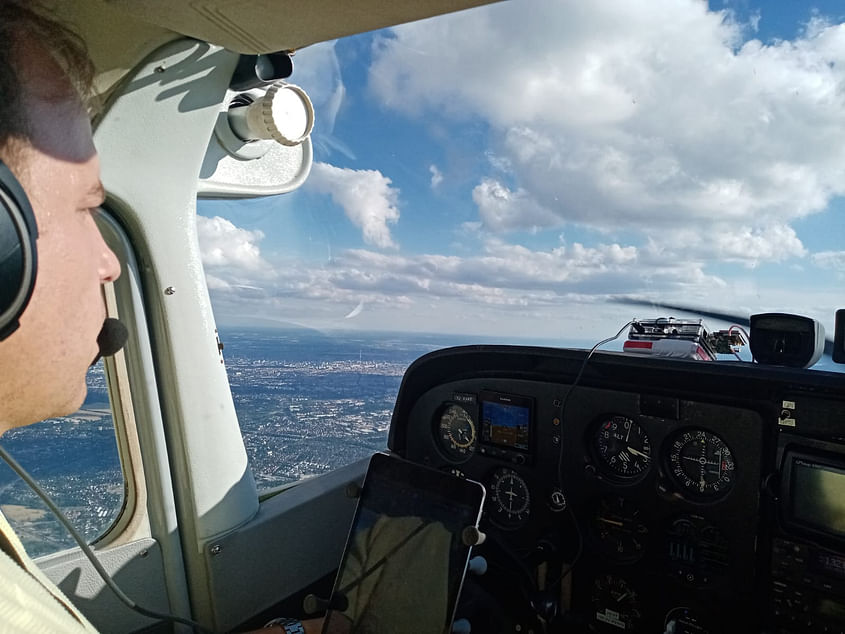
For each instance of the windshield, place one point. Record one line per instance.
(550, 171)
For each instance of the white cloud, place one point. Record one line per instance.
(317, 70)
(506, 287)
(216, 283)
(502, 209)
(833, 260)
(224, 245)
(507, 275)
(728, 243)
(436, 176)
(366, 197)
(754, 21)
(503, 275)
(644, 114)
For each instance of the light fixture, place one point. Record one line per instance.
(284, 114)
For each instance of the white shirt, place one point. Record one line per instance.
(29, 602)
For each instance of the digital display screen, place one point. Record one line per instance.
(506, 424)
(827, 563)
(818, 496)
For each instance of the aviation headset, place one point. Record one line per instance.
(18, 257)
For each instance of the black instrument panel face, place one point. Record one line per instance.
(622, 447)
(510, 498)
(618, 529)
(456, 433)
(653, 500)
(701, 464)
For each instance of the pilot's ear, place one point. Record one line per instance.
(18, 257)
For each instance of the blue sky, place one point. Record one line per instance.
(510, 170)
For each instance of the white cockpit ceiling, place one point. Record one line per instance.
(120, 33)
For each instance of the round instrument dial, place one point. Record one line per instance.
(701, 464)
(616, 607)
(456, 433)
(622, 447)
(697, 553)
(617, 529)
(683, 620)
(510, 498)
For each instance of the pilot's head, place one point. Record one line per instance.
(45, 140)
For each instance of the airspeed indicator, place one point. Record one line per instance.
(456, 433)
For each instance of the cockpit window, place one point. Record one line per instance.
(75, 460)
(542, 175)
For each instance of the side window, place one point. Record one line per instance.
(309, 402)
(75, 460)
(79, 460)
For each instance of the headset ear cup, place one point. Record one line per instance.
(18, 256)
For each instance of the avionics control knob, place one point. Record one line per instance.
(461, 626)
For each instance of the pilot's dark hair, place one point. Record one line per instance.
(22, 20)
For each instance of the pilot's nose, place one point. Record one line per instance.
(109, 265)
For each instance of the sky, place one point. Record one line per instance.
(516, 169)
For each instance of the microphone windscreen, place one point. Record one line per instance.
(112, 337)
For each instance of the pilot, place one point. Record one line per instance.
(47, 147)
(45, 141)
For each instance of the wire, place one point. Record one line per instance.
(570, 390)
(89, 553)
(565, 573)
(742, 330)
(745, 335)
(563, 404)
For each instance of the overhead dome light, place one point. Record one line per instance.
(284, 114)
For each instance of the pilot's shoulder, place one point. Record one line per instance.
(29, 601)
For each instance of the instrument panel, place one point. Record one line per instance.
(637, 500)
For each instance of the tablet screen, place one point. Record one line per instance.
(405, 560)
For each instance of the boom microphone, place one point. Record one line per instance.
(112, 337)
